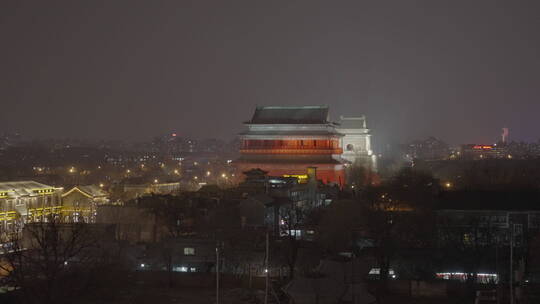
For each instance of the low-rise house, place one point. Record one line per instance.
(490, 217)
(477, 230)
(26, 201)
(80, 203)
(180, 255)
(134, 190)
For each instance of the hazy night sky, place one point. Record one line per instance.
(458, 70)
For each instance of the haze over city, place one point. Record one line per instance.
(458, 70)
(276, 152)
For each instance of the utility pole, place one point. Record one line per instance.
(352, 278)
(511, 263)
(217, 273)
(266, 270)
(497, 261)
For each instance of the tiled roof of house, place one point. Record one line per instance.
(22, 188)
(88, 190)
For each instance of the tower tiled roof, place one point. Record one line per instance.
(352, 122)
(290, 115)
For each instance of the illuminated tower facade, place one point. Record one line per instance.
(356, 142)
(287, 140)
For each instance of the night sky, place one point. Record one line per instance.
(458, 70)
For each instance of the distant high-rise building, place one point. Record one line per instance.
(504, 135)
(482, 151)
(430, 148)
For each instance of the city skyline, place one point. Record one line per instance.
(289, 152)
(459, 71)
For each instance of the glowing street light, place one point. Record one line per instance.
(72, 169)
(155, 181)
(101, 185)
(448, 185)
(208, 173)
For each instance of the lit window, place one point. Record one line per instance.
(467, 238)
(180, 269)
(189, 251)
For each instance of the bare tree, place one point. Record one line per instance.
(48, 263)
(174, 214)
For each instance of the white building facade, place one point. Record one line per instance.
(356, 141)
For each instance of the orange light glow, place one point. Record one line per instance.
(482, 147)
